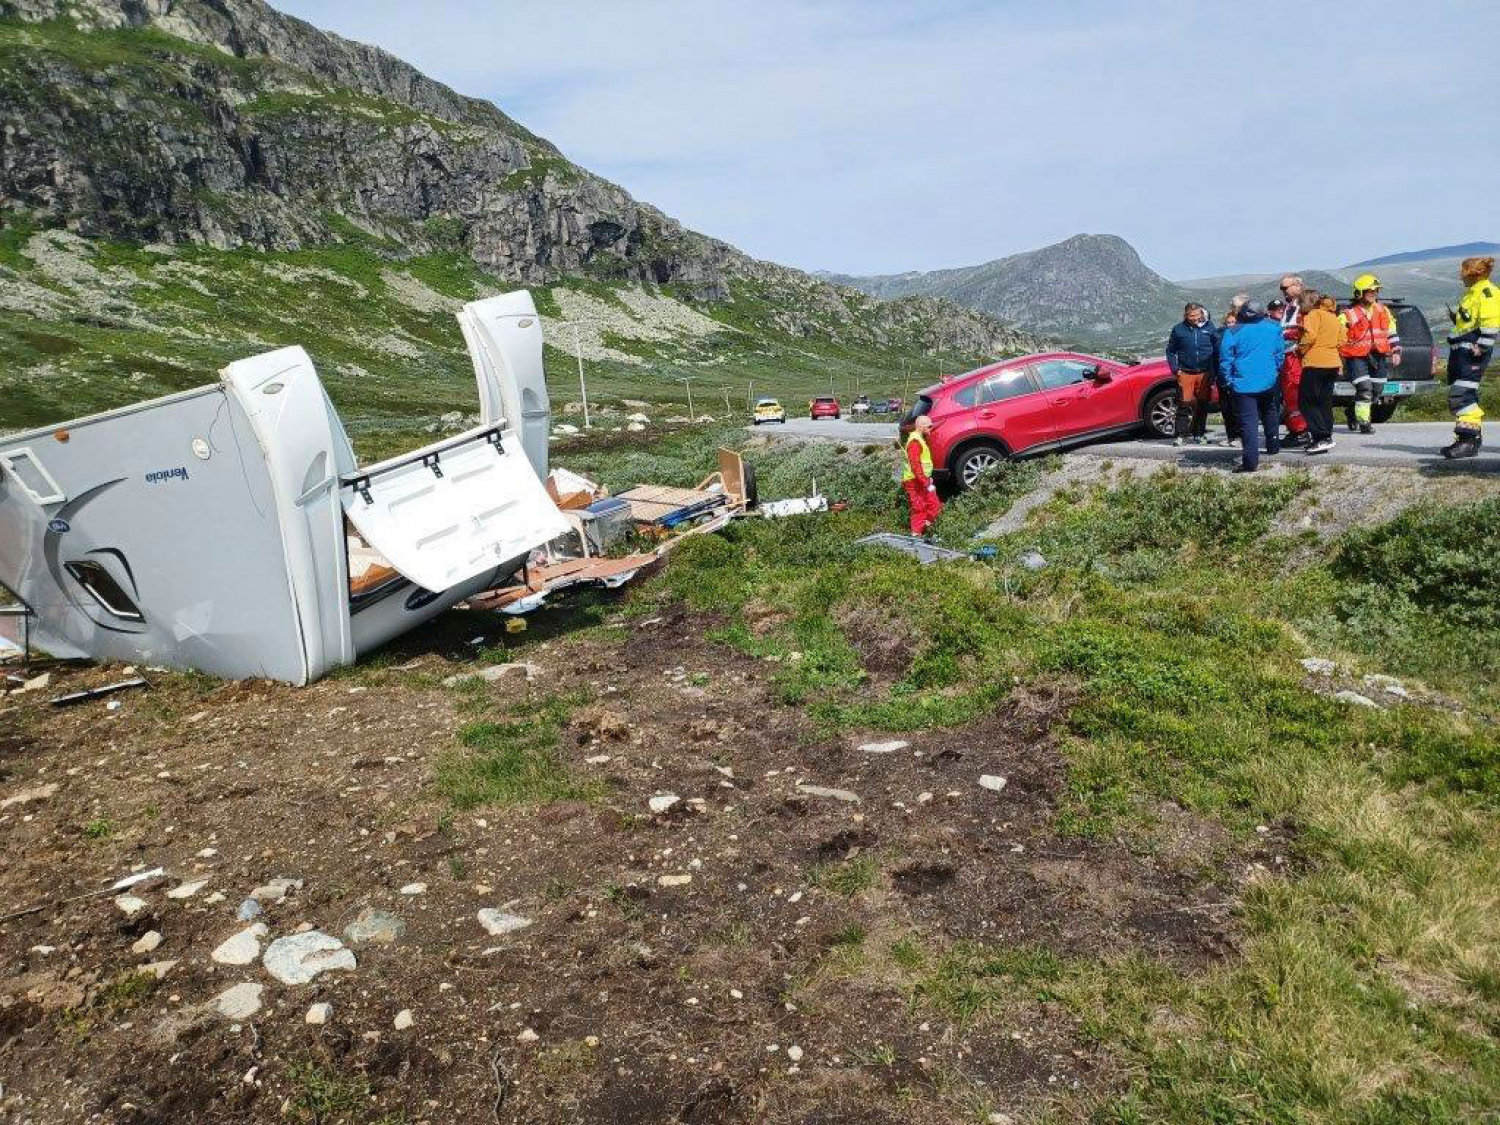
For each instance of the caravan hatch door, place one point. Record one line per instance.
(451, 511)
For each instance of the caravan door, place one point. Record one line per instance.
(504, 337)
(445, 514)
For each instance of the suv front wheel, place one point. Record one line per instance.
(1160, 413)
(974, 462)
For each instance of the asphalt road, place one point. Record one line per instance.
(1414, 444)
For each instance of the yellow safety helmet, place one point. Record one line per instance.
(1365, 282)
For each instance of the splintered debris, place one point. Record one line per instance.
(499, 922)
(991, 781)
(239, 1002)
(242, 948)
(99, 692)
(845, 795)
(299, 958)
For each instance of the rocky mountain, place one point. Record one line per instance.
(1433, 253)
(189, 126)
(1090, 286)
(1095, 291)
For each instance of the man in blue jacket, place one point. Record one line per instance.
(1249, 362)
(1193, 354)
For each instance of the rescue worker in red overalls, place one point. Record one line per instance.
(1372, 346)
(916, 478)
(1290, 315)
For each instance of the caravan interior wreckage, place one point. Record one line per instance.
(229, 528)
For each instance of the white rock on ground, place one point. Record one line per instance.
(794, 1053)
(527, 1036)
(130, 904)
(673, 880)
(147, 942)
(372, 925)
(991, 781)
(1358, 700)
(495, 672)
(414, 889)
(1319, 666)
(299, 958)
(239, 1002)
(158, 969)
(883, 747)
(403, 1020)
(25, 796)
(242, 948)
(275, 891)
(498, 922)
(318, 1014)
(636, 427)
(1388, 684)
(662, 802)
(187, 890)
(845, 795)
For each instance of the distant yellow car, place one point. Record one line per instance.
(769, 410)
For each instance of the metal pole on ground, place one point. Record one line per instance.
(582, 386)
(687, 380)
(726, 403)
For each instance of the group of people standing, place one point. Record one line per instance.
(1281, 361)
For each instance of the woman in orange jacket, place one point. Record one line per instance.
(1323, 333)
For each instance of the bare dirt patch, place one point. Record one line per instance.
(746, 953)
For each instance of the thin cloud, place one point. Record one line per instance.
(878, 137)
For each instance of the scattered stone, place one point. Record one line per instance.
(214, 899)
(1034, 560)
(642, 418)
(130, 904)
(1319, 666)
(299, 958)
(242, 948)
(239, 1002)
(884, 747)
(824, 791)
(36, 683)
(1000, 1119)
(318, 1014)
(275, 891)
(794, 1053)
(598, 759)
(147, 942)
(527, 1036)
(414, 889)
(43, 950)
(1356, 699)
(248, 909)
(403, 1020)
(158, 969)
(208, 853)
(1388, 684)
(662, 802)
(636, 427)
(991, 781)
(494, 672)
(25, 796)
(371, 925)
(187, 890)
(498, 922)
(674, 880)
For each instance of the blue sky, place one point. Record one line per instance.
(867, 136)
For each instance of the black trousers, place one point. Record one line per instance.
(1263, 407)
(1316, 400)
(1230, 411)
(1465, 371)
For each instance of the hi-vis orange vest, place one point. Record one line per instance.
(1369, 328)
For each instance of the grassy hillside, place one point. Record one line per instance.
(88, 325)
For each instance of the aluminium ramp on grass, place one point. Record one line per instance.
(924, 551)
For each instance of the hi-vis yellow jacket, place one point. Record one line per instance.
(1478, 318)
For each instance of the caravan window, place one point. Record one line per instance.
(104, 589)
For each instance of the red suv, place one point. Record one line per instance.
(824, 406)
(1038, 403)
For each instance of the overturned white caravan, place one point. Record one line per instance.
(229, 528)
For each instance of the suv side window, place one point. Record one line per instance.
(1057, 373)
(1005, 384)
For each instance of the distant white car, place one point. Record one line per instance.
(861, 405)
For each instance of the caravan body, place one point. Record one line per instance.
(212, 529)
